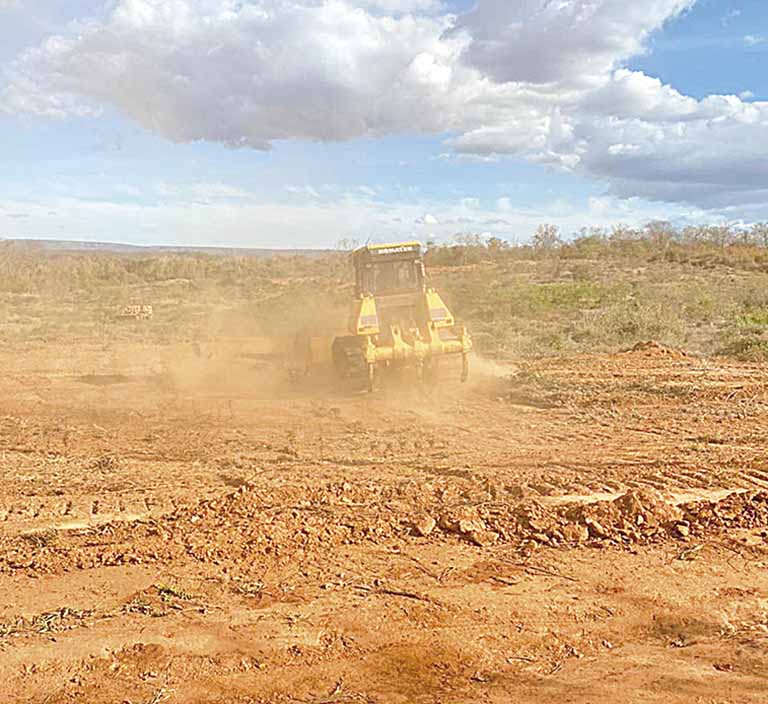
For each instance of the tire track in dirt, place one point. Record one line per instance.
(644, 421)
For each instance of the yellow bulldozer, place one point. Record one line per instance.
(397, 320)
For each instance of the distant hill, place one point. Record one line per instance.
(74, 246)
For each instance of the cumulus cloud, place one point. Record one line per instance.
(560, 41)
(632, 94)
(542, 80)
(661, 145)
(403, 6)
(248, 73)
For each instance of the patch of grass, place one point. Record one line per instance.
(535, 299)
(169, 592)
(628, 322)
(755, 317)
(745, 333)
(41, 539)
(604, 291)
(745, 344)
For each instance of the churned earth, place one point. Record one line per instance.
(181, 527)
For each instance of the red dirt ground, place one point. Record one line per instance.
(193, 530)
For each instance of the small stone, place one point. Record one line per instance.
(483, 538)
(470, 525)
(575, 533)
(683, 530)
(640, 519)
(463, 521)
(424, 525)
(556, 535)
(595, 529)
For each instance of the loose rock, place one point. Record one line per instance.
(424, 525)
(596, 529)
(575, 533)
(483, 538)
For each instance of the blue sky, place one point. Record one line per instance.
(376, 119)
(705, 52)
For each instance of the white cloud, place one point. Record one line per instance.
(711, 152)
(560, 41)
(426, 220)
(632, 94)
(537, 79)
(754, 40)
(403, 6)
(248, 74)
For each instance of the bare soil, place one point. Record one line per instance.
(181, 527)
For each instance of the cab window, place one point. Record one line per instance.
(391, 276)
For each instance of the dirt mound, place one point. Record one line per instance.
(651, 348)
(741, 510)
(634, 516)
(253, 528)
(639, 507)
(639, 516)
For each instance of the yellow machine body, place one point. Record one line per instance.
(396, 318)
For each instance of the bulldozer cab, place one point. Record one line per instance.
(388, 269)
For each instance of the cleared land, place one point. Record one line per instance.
(180, 522)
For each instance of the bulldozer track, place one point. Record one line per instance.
(39, 513)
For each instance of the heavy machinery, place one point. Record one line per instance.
(397, 320)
